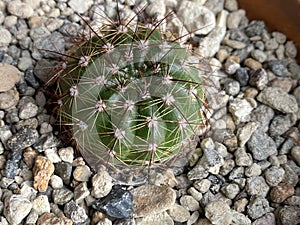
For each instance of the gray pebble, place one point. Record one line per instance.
(80, 6)
(231, 5)
(101, 183)
(41, 204)
(218, 212)
(290, 49)
(271, 44)
(62, 196)
(81, 192)
(240, 219)
(259, 55)
(189, 203)
(258, 207)
(234, 18)
(279, 37)
(20, 9)
(257, 186)
(215, 5)
(178, 213)
(198, 172)
(242, 158)
(295, 153)
(279, 125)
(5, 37)
(202, 185)
(278, 68)
(230, 190)
(289, 215)
(258, 78)
(263, 114)
(253, 170)
(255, 28)
(82, 173)
(274, 175)
(75, 212)
(240, 109)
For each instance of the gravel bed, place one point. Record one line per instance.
(245, 171)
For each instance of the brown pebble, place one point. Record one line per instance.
(29, 155)
(9, 76)
(252, 64)
(52, 219)
(42, 171)
(281, 192)
(251, 93)
(283, 83)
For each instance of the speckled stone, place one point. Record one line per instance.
(218, 212)
(52, 219)
(281, 192)
(178, 213)
(42, 171)
(9, 76)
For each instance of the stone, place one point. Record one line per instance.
(242, 158)
(16, 208)
(218, 212)
(274, 175)
(257, 186)
(245, 132)
(42, 171)
(64, 170)
(258, 55)
(210, 44)
(158, 219)
(234, 18)
(179, 214)
(196, 18)
(231, 5)
(255, 28)
(5, 40)
(82, 173)
(118, 204)
(28, 110)
(281, 192)
(62, 195)
(278, 99)
(239, 218)
(25, 137)
(240, 109)
(252, 64)
(295, 153)
(20, 9)
(189, 203)
(150, 199)
(242, 76)
(52, 219)
(279, 37)
(9, 99)
(271, 44)
(258, 78)
(290, 49)
(253, 170)
(267, 219)
(80, 6)
(75, 212)
(261, 145)
(289, 215)
(9, 75)
(258, 207)
(105, 221)
(285, 84)
(232, 87)
(81, 192)
(41, 204)
(101, 183)
(66, 154)
(278, 68)
(263, 114)
(198, 172)
(230, 190)
(279, 125)
(56, 182)
(290, 176)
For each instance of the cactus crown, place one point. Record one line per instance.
(130, 95)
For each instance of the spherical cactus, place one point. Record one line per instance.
(130, 96)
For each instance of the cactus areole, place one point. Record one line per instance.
(130, 96)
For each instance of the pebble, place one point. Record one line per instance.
(267, 219)
(274, 175)
(244, 133)
(189, 203)
(252, 64)
(231, 65)
(281, 192)
(279, 37)
(42, 171)
(189, 12)
(64, 170)
(240, 109)
(179, 214)
(81, 191)
(279, 125)
(25, 137)
(218, 212)
(289, 215)
(80, 6)
(257, 186)
(119, 204)
(9, 99)
(5, 38)
(56, 182)
(242, 158)
(160, 219)
(278, 68)
(75, 212)
(295, 153)
(278, 99)
(242, 76)
(257, 207)
(290, 49)
(231, 5)
(258, 78)
(16, 203)
(198, 172)
(240, 219)
(41, 204)
(255, 28)
(230, 190)
(82, 173)
(101, 183)
(234, 18)
(259, 55)
(62, 195)
(52, 219)
(150, 199)
(28, 110)
(20, 9)
(9, 75)
(285, 84)
(271, 44)
(66, 154)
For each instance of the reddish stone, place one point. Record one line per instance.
(281, 192)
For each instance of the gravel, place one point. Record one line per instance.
(246, 169)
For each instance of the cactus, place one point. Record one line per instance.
(130, 96)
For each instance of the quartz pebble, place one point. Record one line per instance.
(42, 171)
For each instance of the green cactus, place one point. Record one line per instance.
(130, 96)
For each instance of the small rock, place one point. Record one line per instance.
(279, 37)
(255, 28)
(234, 44)
(198, 172)
(289, 215)
(81, 192)
(278, 99)
(52, 219)
(231, 5)
(158, 219)
(218, 212)
(214, 5)
(271, 44)
(258, 207)
(259, 79)
(16, 208)
(9, 99)
(9, 75)
(105, 221)
(66, 154)
(244, 133)
(267, 219)
(178, 213)
(290, 176)
(242, 76)
(61, 196)
(5, 40)
(82, 173)
(42, 171)
(23, 139)
(253, 170)
(101, 183)
(64, 170)
(20, 9)
(242, 158)
(259, 55)
(232, 87)
(150, 199)
(274, 175)
(257, 186)
(252, 64)
(261, 145)
(263, 114)
(119, 204)
(189, 203)
(285, 84)
(56, 182)
(240, 109)
(75, 212)
(290, 49)
(239, 218)
(278, 68)
(196, 17)
(279, 125)
(234, 18)
(231, 190)
(41, 204)
(28, 110)
(281, 192)
(80, 6)
(295, 153)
